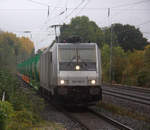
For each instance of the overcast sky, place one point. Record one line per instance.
(32, 15)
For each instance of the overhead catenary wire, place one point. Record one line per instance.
(54, 8)
(146, 22)
(83, 7)
(43, 4)
(40, 3)
(74, 9)
(45, 23)
(130, 4)
(77, 9)
(146, 32)
(49, 18)
(80, 9)
(37, 9)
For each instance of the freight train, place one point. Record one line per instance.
(69, 73)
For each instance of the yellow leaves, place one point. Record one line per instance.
(27, 44)
(12, 40)
(136, 59)
(132, 68)
(14, 49)
(147, 47)
(134, 65)
(20, 120)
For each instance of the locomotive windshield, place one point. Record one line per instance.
(84, 57)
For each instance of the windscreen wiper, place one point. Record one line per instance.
(71, 61)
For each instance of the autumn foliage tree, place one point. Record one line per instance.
(14, 49)
(130, 68)
(135, 63)
(119, 62)
(144, 73)
(27, 45)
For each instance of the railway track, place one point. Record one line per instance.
(131, 94)
(131, 88)
(91, 120)
(111, 121)
(74, 119)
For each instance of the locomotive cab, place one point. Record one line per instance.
(79, 73)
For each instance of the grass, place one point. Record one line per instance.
(123, 111)
(48, 126)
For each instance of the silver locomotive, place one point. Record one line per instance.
(71, 73)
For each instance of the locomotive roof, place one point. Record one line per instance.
(69, 44)
(76, 44)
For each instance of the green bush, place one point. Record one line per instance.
(20, 111)
(6, 110)
(21, 120)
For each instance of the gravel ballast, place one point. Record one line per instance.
(51, 114)
(128, 105)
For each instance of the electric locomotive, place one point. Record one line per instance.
(70, 73)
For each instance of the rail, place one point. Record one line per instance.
(128, 94)
(111, 121)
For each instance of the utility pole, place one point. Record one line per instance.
(111, 40)
(3, 97)
(55, 26)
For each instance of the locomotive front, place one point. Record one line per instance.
(79, 73)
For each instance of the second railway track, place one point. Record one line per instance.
(128, 94)
(128, 88)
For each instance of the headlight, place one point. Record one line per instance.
(93, 82)
(62, 81)
(77, 67)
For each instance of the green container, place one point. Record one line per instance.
(30, 67)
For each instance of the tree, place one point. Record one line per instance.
(83, 27)
(118, 63)
(20, 110)
(128, 37)
(13, 50)
(144, 73)
(134, 65)
(27, 44)
(105, 62)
